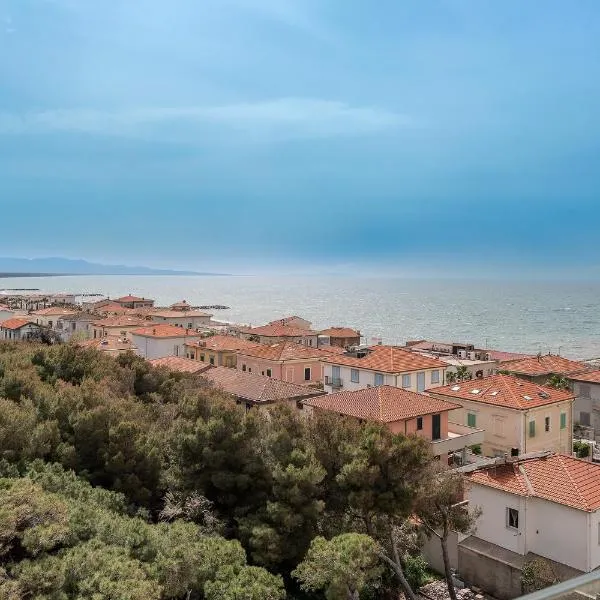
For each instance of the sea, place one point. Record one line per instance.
(531, 317)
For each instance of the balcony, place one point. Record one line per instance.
(459, 437)
(335, 382)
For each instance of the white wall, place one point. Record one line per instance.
(150, 348)
(183, 320)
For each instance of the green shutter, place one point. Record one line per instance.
(531, 428)
(563, 420)
(470, 420)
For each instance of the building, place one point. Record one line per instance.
(475, 368)
(542, 367)
(77, 326)
(517, 416)
(546, 506)
(252, 389)
(49, 317)
(382, 365)
(6, 312)
(157, 341)
(586, 408)
(18, 329)
(277, 332)
(117, 326)
(190, 319)
(183, 305)
(112, 309)
(293, 321)
(179, 364)
(404, 412)
(342, 337)
(217, 350)
(134, 302)
(287, 361)
(112, 346)
(463, 351)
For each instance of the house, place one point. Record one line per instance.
(517, 416)
(179, 364)
(18, 329)
(342, 337)
(217, 350)
(111, 308)
(382, 365)
(276, 332)
(542, 367)
(285, 360)
(134, 302)
(252, 389)
(113, 346)
(118, 326)
(586, 408)
(78, 325)
(157, 340)
(463, 351)
(403, 411)
(49, 317)
(476, 369)
(190, 319)
(293, 321)
(182, 305)
(546, 506)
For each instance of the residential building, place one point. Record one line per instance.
(342, 337)
(252, 389)
(158, 340)
(293, 321)
(217, 350)
(112, 346)
(183, 305)
(517, 416)
(118, 326)
(274, 333)
(190, 319)
(134, 302)
(49, 317)
(112, 309)
(288, 361)
(542, 367)
(77, 326)
(382, 365)
(546, 506)
(463, 351)
(18, 329)
(586, 408)
(475, 368)
(404, 412)
(179, 364)
(6, 312)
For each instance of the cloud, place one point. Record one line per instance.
(283, 118)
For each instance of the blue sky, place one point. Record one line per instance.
(259, 135)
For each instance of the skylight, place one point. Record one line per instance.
(455, 388)
(528, 397)
(475, 391)
(495, 393)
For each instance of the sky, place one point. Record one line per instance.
(422, 136)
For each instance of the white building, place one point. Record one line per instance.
(17, 329)
(190, 319)
(586, 408)
(49, 317)
(157, 341)
(382, 365)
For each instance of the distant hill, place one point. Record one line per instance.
(12, 267)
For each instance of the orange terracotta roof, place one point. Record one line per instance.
(108, 344)
(285, 320)
(591, 377)
(15, 323)
(220, 343)
(383, 403)
(502, 356)
(182, 305)
(332, 349)
(546, 365)
(279, 330)
(161, 330)
(389, 359)
(556, 478)
(52, 311)
(255, 388)
(120, 321)
(180, 364)
(180, 314)
(341, 332)
(130, 298)
(112, 307)
(284, 351)
(504, 390)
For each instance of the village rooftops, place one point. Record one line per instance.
(222, 343)
(183, 305)
(112, 307)
(110, 345)
(120, 321)
(130, 298)
(386, 404)
(179, 364)
(504, 390)
(556, 478)
(168, 313)
(501, 356)
(162, 330)
(256, 388)
(284, 351)
(547, 364)
(54, 311)
(588, 377)
(278, 330)
(15, 323)
(340, 332)
(386, 359)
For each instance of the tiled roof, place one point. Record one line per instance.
(108, 344)
(545, 365)
(557, 478)
(278, 330)
(180, 314)
(504, 390)
(15, 323)
(384, 403)
(341, 332)
(222, 343)
(181, 305)
(389, 359)
(254, 387)
(120, 321)
(332, 349)
(284, 351)
(130, 298)
(160, 330)
(179, 363)
(286, 320)
(501, 356)
(112, 307)
(52, 311)
(591, 377)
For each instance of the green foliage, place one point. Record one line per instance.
(417, 571)
(537, 574)
(246, 583)
(476, 449)
(558, 382)
(581, 449)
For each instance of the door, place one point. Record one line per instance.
(420, 382)
(436, 427)
(335, 376)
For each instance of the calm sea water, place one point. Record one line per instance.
(524, 316)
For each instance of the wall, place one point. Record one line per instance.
(292, 371)
(123, 331)
(557, 439)
(588, 400)
(221, 358)
(188, 321)
(149, 347)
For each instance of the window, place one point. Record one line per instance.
(299, 405)
(547, 424)
(498, 426)
(176, 350)
(211, 360)
(563, 420)
(378, 378)
(189, 326)
(435, 376)
(531, 428)
(512, 518)
(419, 423)
(249, 369)
(269, 372)
(471, 419)
(354, 375)
(405, 381)
(243, 366)
(307, 374)
(202, 359)
(584, 418)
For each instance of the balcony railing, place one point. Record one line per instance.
(334, 382)
(459, 437)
